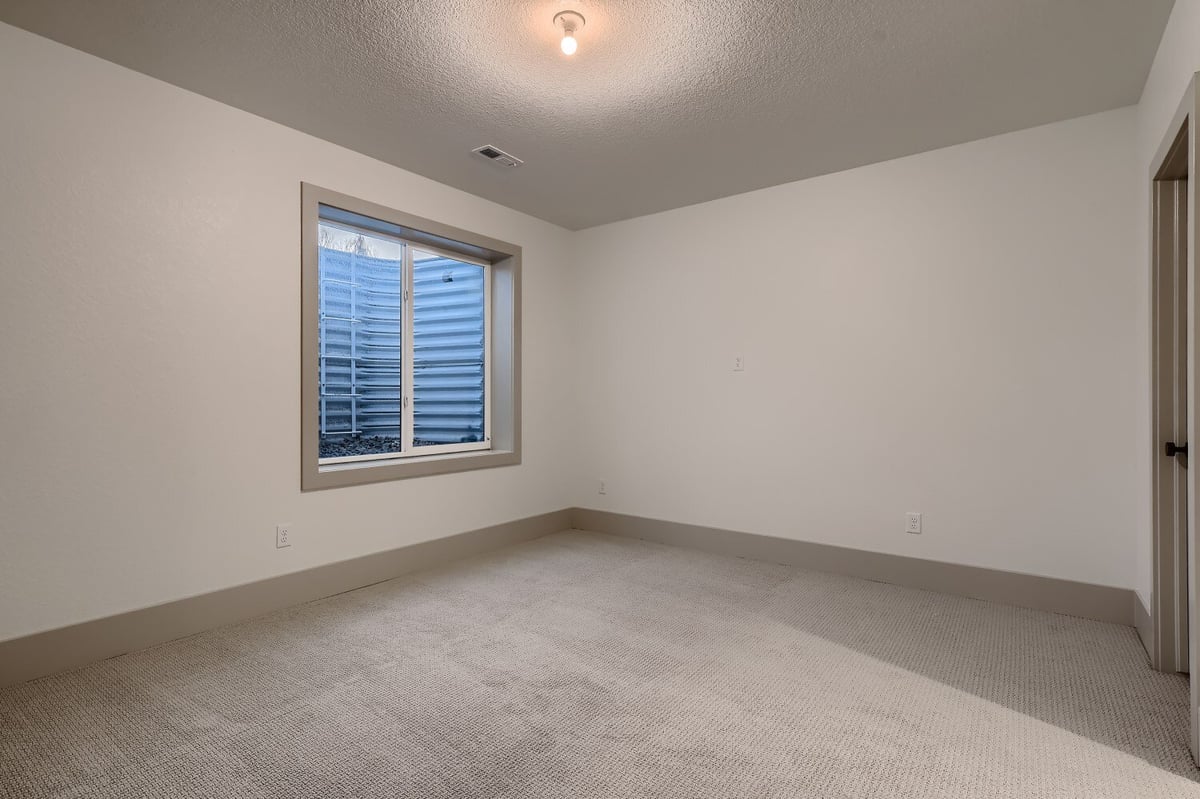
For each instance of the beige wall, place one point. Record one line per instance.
(950, 333)
(149, 331)
(1177, 61)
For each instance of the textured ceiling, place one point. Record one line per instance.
(666, 103)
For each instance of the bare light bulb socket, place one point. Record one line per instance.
(569, 22)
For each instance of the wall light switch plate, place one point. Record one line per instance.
(603, 487)
(913, 524)
(739, 363)
(283, 536)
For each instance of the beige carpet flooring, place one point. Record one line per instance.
(584, 666)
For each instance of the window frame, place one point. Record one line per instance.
(409, 361)
(501, 262)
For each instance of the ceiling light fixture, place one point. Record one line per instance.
(569, 22)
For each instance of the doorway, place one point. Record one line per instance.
(1174, 623)
(1169, 241)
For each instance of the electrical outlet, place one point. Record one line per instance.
(603, 487)
(283, 536)
(739, 363)
(914, 524)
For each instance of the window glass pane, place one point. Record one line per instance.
(360, 342)
(448, 350)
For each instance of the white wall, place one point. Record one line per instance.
(962, 333)
(1178, 59)
(149, 332)
(950, 333)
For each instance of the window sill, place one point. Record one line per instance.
(338, 475)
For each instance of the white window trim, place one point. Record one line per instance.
(407, 360)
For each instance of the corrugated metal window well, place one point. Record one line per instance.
(403, 347)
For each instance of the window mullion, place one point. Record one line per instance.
(487, 355)
(406, 379)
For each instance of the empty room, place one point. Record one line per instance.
(589, 399)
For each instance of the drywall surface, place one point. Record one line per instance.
(1177, 61)
(958, 333)
(759, 92)
(150, 337)
(950, 333)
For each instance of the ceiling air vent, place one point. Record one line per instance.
(496, 155)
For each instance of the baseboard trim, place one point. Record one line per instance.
(68, 648)
(1143, 624)
(77, 645)
(1086, 600)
